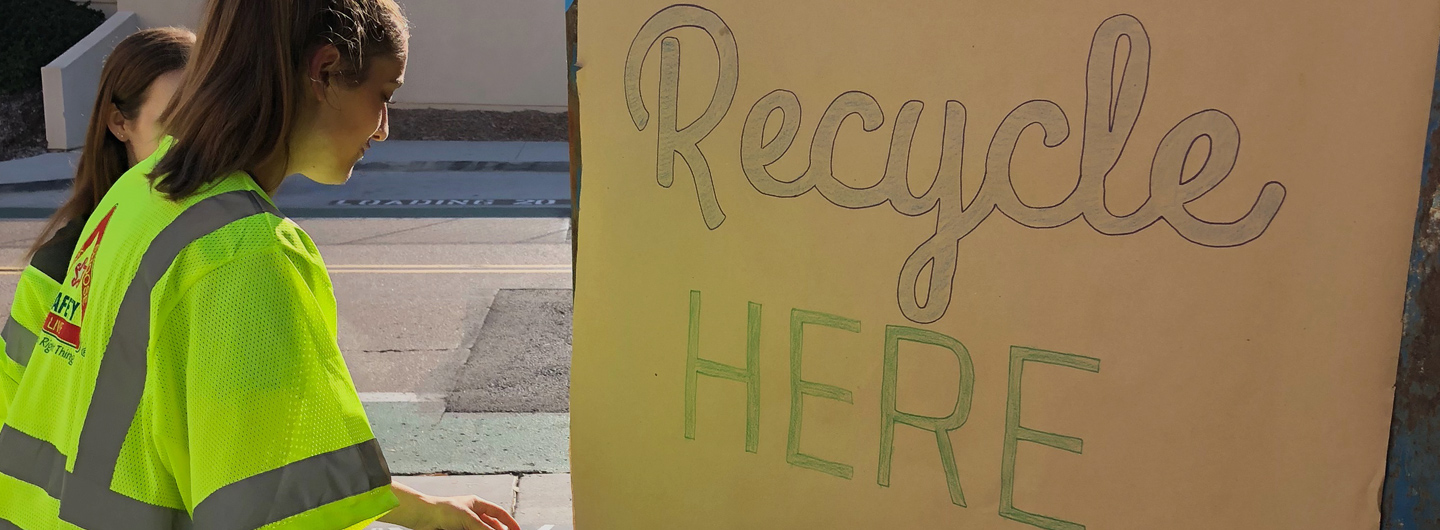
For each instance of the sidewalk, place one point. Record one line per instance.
(395, 179)
(37, 173)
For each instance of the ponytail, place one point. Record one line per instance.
(237, 103)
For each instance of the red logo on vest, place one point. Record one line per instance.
(57, 327)
(85, 263)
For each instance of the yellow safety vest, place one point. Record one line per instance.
(186, 374)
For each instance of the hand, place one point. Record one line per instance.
(424, 512)
(467, 513)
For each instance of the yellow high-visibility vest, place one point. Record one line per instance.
(185, 374)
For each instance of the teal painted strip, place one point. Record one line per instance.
(475, 443)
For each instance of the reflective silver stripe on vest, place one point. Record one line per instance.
(294, 489)
(37, 462)
(32, 460)
(86, 499)
(19, 341)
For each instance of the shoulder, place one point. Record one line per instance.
(53, 257)
(251, 243)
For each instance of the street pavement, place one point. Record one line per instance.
(453, 318)
(395, 179)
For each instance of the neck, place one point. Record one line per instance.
(269, 174)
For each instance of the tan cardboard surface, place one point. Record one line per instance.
(1171, 298)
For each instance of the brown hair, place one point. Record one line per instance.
(130, 69)
(235, 108)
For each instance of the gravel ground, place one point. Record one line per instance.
(478, 125)
(22, 125)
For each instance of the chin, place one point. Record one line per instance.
(340, 178)
(329, 178)
(341, 173)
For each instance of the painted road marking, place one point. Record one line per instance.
(418, 269)
(560, 267)
(519, 203)
(448, 271)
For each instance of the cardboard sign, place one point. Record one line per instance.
(1097, 264)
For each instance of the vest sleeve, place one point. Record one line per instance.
(20, 330)
(276, 434)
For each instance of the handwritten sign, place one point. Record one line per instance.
(803, 301)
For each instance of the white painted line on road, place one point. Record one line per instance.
(450, 271)
(518, 203)
(400, 397)
(390, 268)
(457, 266)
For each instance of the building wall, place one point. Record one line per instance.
(71, 81)
(104, 6)
(464, 54)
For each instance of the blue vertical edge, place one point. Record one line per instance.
(1410, 499)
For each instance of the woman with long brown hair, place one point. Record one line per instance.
(188, 373)
(137, 81)
(139, 78)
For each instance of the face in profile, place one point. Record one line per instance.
(334, 133)
(141, 132)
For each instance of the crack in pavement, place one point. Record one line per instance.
(400, 231)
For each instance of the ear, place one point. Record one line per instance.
(118, 125)
(321, 70)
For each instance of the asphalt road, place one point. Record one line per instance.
(414, 296)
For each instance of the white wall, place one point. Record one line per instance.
(71, 81)
(464, 54)
(492, 54)
(155, 13)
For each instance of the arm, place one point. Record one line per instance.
(423, 512)
(274, 418)
(274, 434)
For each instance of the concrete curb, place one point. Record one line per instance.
(35, 185)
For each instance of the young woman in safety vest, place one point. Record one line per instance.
(187, 374)
(138, 79)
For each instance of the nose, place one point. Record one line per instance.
(384, 131)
